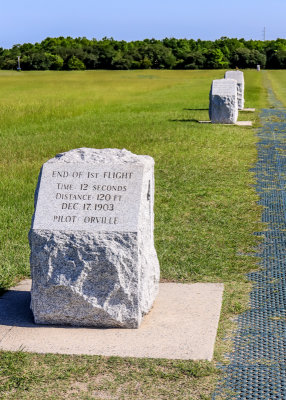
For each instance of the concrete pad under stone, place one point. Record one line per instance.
(238, 123)
(181, 325)
(244, 123)
(248, 110)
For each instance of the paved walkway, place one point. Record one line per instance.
(257, 368)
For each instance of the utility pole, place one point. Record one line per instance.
(264, 33)
(19, 67)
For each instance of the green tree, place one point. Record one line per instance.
(56, 62)
(107, 53)
(240, 58)
(215, 59)
(75, 63)
(9, 63)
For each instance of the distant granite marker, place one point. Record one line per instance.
(239, 77)
(93, 260)
(223, 107)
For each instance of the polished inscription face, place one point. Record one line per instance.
(224, 87)
(88, 197)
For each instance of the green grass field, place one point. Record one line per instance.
(278, 82)
(205, 206)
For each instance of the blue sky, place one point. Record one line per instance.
(33, 20)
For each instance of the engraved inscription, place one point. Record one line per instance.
(77, 197)
(223, 87)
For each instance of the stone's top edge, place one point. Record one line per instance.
(238, 75)
(100, 156)
(234, 72)
(224, 87)
(224, 81)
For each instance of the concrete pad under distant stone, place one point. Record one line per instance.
(244, 123)
(181, 325)
(238, 123)
(248, 110)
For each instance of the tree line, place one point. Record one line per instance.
(81, 53)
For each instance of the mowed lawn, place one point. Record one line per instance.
(278, 82)
(205, 206)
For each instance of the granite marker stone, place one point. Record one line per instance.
(223, 102)
(93, 261)
(239, 77)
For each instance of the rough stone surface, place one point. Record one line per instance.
(93, 265)
(223, 107)
(239, 77)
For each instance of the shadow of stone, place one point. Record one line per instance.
(196, 109)
(183, 120)
(15, 309)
